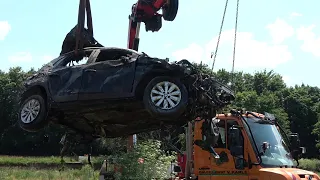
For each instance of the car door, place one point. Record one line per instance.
(65, 79)
(107, 77)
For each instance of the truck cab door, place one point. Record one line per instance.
(227, 166)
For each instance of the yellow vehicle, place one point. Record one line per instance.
(241, 146)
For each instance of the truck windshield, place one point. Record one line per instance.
(277, 154)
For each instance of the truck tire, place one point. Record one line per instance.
(32, 113)
(170, 11)
(165, 97)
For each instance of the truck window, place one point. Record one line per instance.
(239, 161)
(230, 123)
(222, 134)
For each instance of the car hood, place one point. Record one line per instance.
(288, 173)
(42, 72)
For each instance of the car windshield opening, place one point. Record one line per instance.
(277, 152)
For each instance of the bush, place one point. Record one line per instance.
(310, 164)
(146, 161)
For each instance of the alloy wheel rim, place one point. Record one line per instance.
(165, 95)
(30, 111)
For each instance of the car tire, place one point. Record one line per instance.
(176, 101)
(37, 104)
(170, 11)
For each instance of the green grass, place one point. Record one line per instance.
(86, 173)
(25, 160)
(13, 160)
(31, 173)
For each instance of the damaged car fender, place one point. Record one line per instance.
(148, 68)
(34, 103)
(34, 84)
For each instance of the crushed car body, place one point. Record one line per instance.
(113, 92)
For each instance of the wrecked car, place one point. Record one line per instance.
(113, 92)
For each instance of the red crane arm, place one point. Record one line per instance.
(146, 11)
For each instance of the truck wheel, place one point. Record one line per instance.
(32, 113)
(170, 10)
(165, 97)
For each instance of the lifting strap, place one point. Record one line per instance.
(84, 5)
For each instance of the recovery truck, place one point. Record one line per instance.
(240, 145)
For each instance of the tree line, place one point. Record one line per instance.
(297, 109)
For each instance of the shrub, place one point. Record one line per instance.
(146, 161)
(310, 164)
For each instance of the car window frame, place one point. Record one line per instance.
(68, 55)
(110, 49)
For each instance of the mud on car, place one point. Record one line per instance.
(113, 92)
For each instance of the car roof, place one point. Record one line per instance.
(104, 48)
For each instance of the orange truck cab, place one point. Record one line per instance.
(244, 146)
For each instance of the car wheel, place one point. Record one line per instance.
(165, 97)
(32, 113)
(170, 10)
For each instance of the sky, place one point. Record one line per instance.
(282, 36)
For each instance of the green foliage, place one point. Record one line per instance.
(155, 164)
(310, 164)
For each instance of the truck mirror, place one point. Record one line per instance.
(294, 141)
(303, 150)
(296, 150)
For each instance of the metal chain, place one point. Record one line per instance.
(234, 45)
(221, 26)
